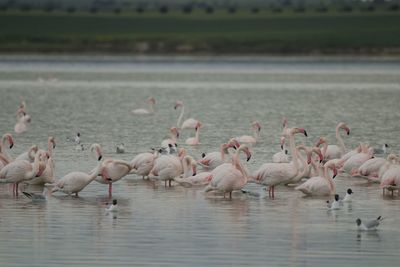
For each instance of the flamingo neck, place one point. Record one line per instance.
(4, 160)
(186, 168)
(50, 148)
(329, 179)
(173, 136)
(178, 124)
(5, 149)
(293, 150)
(32, 153)
(303, 163)
(223, 151)
(238, 165)
(197, 134)
(340, 142)
(324, 149)
(256, 134)
(95, 172)
(35, 168)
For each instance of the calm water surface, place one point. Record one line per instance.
(179, 226)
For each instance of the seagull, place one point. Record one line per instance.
(36, 197)
(77, 138)
(382, 150)
(368, 226)
(335, 204)
(120, 148)
(113, 207)
(79, 147)
(348, 197)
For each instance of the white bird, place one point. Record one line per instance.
(251, 139)
(113, 207)
(383, 150)
(370, 225)
(120, 149)
(335, 205)
(77, 138)
(349, 196)
(261, 193)
(142, 111)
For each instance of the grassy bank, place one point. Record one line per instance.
(243, 33)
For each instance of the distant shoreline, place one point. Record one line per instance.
(360, 34)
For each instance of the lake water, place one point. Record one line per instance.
(174, 226)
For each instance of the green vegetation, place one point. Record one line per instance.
(196, 31)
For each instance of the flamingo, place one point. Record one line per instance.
(334, 151)
(6, 138)
(357, 160)
(141, 111)
(213, 159)
(174, 135)
(48, 173)
(74, 182)
(19, 171)
(189, 166)
(188, 123)
(320, 185)
(167, 167)
(190, 177)
(23, 120)
(115, 170)
(142, 163)
(193, 141)
(272, 174)
(28, 155)
(390, 179)
(230, 176)
(256, 128)
(369, 168)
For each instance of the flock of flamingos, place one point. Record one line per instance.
(310, 169)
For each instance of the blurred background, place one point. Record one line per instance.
(206, 26)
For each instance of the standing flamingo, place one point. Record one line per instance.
(334, 151)
(167, 167)
(193, 141)
(190, 176)
(143, 163)
(358, 159)
(229, 176)
(188, 123)
(151, 101)
(48, 173)
(320, 185)
(272, 174)
(23, 120)
(256, 128)
(213, 159)
(74, 182)
(19, 171)
(391, 179)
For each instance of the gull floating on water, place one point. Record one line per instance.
(113, 207)
(120, 149)
(348, 197)
(335, 205)
(369, 226)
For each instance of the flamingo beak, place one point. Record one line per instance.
(334, 172)
(177, 134)
(11, 141)
(203, 155)
(308, 159)
(100, 157)
(305, 133)
(348, 131)
(54, 144)
(11, 145)
(194, 170)
(248, 155)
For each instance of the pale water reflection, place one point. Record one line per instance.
(161, 226)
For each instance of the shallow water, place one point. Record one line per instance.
(180, 226)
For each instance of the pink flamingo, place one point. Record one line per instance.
(256, 128)
(190, 175)
(74, 182)
(167, 167)
(304, 170)
(334, 151)
(19, 171)
(320, 185)
(357, 160)
(23, 120)
(48, 173)
(282, 156)
(174, 135)
(28, 155)
(141, 111)
(272, 174)
(369, 169)
(194, 141)
(142, 163)
(213, 159)
(391, 179)
(188, 123)
(229, 176)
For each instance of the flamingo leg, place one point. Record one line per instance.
(165, 183)
(169, 183)
(76, 194)
(269, 191)
(110, 189)
(230, 195)
(16, 189)
(273, 191)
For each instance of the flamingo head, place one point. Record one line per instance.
(332, 166)
(256, 125)
(282, 142)
(203, 155)
(321, 141)
(233, 143)
(175, 131)
(317, 151)
(298, 130)
(181, 152)
(10, 139)
(198, 125)
(96, 150)
(178, 104)
(151, 100)
(344, 126)
(247, 151)
(52, 141)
